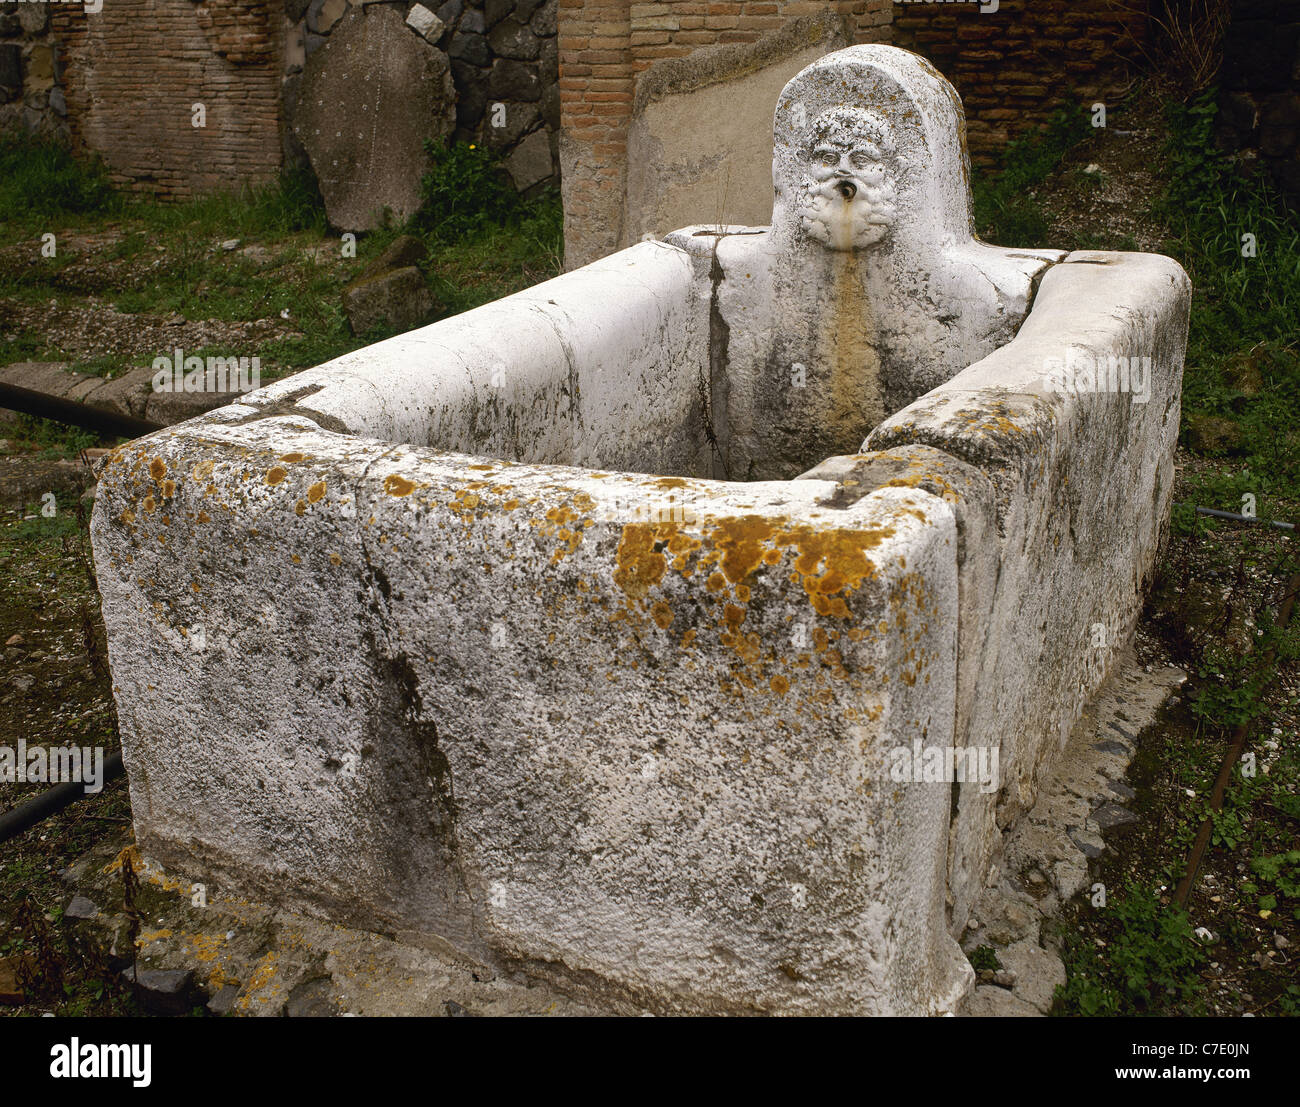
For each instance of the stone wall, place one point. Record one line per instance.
(31, 98)
(133, 72)
(504, 67)
(122, 81)
(605, 45)
(1259, 106)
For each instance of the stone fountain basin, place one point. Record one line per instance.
(456, 638)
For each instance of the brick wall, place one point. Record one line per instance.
(131, 72)
(1014, 67)
(1259, 95)
(604, 44)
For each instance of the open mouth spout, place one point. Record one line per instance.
(847, 189)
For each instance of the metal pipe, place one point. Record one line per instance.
(45, 406)
(1243, 518)
(27, 815)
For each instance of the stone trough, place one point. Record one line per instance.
(584, 635)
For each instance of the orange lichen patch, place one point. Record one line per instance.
(316, 492)
(276, 474)
(203, 470)
(194, 586)
(669, 483)
(716, 582)
(565, 524)
(510, 505)
(688, 638)
(291, 458)
(295, 559)
(300, 508)
(207, 947)
(203, 517)
(780, 685)
(168, 489)
(742, 543)
(153, 936)
(733, 616)
(149, 505)
(481, 468)
(662, 615)
(640, 565)
(262, 974)
(396, 485)
(335, 559)
(157, 468)
(128, 516)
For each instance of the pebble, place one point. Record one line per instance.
(15, 640)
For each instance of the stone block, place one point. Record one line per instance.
(372, 68)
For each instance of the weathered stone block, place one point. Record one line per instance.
(556, 665)
(370, 98)
(397, 298)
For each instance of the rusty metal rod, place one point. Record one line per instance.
(1184, 890)
(45, 406)
(1243, 518)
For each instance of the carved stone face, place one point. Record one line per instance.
(846, 196)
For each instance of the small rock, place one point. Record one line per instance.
(1004, 978)
(11, 992)
(1092, 846)
(15, 640)
(224, 1000)
(988, 1001)
(230, 244)
(399, 299)
(80, 908)
(312, 1000)
(455, 1010)
(1111, 815)
(425, 23)
(1280, 942)
(22, 682)
(163, 991)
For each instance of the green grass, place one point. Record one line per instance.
(1005, 212)
(50, 439)
(1150, 963)
(484, 241)
(40, 180)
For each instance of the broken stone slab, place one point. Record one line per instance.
(530, 162)
(398, 298)
(370, 98)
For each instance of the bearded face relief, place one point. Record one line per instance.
(846, 196)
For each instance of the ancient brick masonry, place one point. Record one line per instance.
(132, 72)
(604, 44)
(1014, 67)
(1259, 103)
